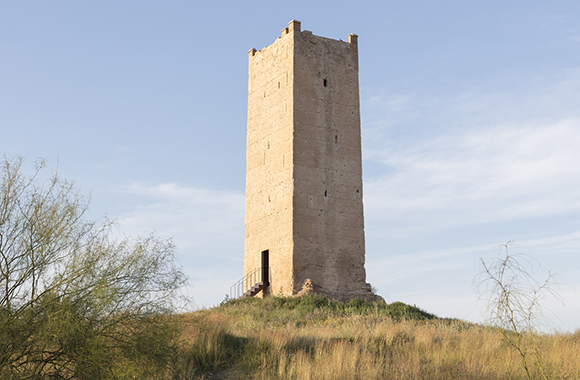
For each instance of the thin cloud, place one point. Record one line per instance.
(207, 227)
(497, 150)
(480, 176)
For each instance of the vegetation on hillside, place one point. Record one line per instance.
(311, 337)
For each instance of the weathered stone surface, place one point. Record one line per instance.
(304, 172)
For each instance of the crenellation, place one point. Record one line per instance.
(353, 39)
(294, 26)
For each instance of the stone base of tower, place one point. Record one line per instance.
(365, 293)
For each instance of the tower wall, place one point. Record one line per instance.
(328, 221)
(304, 171)
(269, 161)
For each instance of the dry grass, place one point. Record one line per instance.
(256, 341)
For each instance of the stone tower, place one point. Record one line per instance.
(304, 211)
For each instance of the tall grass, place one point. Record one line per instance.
(313, 338)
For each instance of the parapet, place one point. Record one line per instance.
(295, 26)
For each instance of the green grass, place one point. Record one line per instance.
(295, 307)
(312, 337)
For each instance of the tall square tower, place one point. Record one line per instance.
(304, 210)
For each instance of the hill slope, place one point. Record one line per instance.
(311, 337)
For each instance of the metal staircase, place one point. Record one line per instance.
(252, 283)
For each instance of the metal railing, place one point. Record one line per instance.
(256, 275)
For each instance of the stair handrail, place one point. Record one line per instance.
(254, 276)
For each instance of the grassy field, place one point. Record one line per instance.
(314, 338)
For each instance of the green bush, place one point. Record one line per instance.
(75, 303)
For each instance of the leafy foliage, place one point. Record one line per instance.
(74, 301)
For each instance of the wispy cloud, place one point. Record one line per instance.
(441, 281)
(206, 225)
(480, 175)
(492, 151)
(198, 218)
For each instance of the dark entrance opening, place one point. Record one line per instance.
(266, 267)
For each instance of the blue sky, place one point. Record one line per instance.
(470, 119)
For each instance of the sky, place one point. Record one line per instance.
(470, 130)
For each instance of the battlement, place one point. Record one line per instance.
(294, 28)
